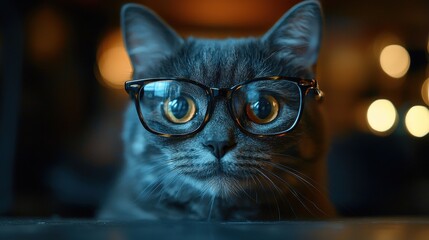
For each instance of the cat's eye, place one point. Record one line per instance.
(179, 110)
(263, 110)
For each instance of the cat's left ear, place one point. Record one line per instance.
(296, 36)
(148, 39)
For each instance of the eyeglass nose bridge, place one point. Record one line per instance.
(220, 92)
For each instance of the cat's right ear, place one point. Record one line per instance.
(148, 39)
(296, 36)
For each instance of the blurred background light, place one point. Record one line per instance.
(47, 34)
(417, 121)
(425, 91)
(427, 47)
(223, 12)
(347, 65)
(395, 61)
(113, 63)
(382, 116)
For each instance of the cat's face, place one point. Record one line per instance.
(220, 159)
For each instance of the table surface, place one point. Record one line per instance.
(363, 228)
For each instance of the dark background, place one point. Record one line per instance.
(62, 71)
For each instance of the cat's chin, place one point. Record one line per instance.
(216, 176)
(220, 184)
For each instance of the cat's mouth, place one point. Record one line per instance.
(217, 172)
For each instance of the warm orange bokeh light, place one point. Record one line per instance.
(113, 62)
(427, 47)
(395, 61)
(226, 13)
(417, 121)
(425, 91)
(382, 116)
(47, 34)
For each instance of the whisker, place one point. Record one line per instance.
(179, 189)
(315, 205)
(308, 182)
(166, 184)
(297, 174)
(274, 195)
(292, 190)
(256, 192)
(148, 169)
(302, 196)
(262, 187)
(151, 187)
(241, 189)
(211, 208)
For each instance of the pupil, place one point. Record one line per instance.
(262, 108)
(179, 107)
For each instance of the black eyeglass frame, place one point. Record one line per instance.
(134, 88)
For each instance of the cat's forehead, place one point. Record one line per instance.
(221, 63)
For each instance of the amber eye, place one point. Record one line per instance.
(264, 110)
(179, 110)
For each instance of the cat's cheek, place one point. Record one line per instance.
(138, 146)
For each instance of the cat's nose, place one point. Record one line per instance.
(219, 148)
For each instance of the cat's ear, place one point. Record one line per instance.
(147, 38)
(296, 36)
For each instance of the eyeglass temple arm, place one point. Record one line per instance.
(319, 94)
(132, 89)
(313, 85)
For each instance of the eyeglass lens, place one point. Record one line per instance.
(173, 107)
(267, 106)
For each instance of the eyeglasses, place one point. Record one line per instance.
(177, 107)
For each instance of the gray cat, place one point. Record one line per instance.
(218, 128)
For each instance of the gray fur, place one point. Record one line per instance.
(269, 178)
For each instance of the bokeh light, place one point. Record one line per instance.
(113, 62)
(346, 65)
(382, 116)
(47, 35)
(417, 121)
(395, 61)
(427, 47)
(425, 91)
